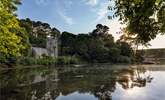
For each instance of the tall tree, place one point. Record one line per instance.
(38, 32)
(67, 43)
(9, 5)
(11, 34)
(101, 30)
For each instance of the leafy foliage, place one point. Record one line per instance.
(12, 37)
(64, 60)
(38, 32)
(144, 18)
(98, 46)
(67, 43)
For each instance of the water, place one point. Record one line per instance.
(92, 82)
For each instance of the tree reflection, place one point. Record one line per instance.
(127, 78)
(131, 78)
(49, 83)
(22, 84)
(103, 93)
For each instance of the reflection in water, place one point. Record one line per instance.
(132, 78)
(88, 83)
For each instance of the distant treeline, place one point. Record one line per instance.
(155, 53)
(96, 46)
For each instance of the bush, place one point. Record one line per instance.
(48, 60)
(74, 60)
(122, 59)
(67, 60)
(60, 60)
(27, 61)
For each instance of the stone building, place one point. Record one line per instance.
(38, 52)
(52, 46)
(50, 50)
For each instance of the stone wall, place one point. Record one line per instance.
(50, 50)
(39, 52)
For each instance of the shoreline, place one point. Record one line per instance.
(6, 67)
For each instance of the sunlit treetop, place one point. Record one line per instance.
(144, 18)
(9, 5)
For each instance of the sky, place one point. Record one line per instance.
(75, 16)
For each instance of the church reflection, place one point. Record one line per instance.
(50, 83)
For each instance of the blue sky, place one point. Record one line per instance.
(76, 16)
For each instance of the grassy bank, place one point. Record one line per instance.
(62, 60)
(48, 61)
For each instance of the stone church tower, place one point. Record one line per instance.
(52, 46)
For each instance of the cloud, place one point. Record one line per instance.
(42, 2)
(102, 12)
(92, 2)
(67, 19)
(70, 3)
(61, 7)
(67, 3)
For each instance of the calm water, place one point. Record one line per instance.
(99, 82)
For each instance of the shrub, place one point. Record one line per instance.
(48, 60)
(27, 61)
(74, 60)
(122, 59)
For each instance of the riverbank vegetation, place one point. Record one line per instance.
(48, 61)
(97, 46)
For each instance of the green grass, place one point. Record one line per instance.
(48, 61)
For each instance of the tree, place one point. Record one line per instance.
(12, 36)
(144, 18)
(27, 24)
(38, 32)
(98, 46)
(67, 43)
(100, 30)
(55, 32)
(9, 5)
(125, 48)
